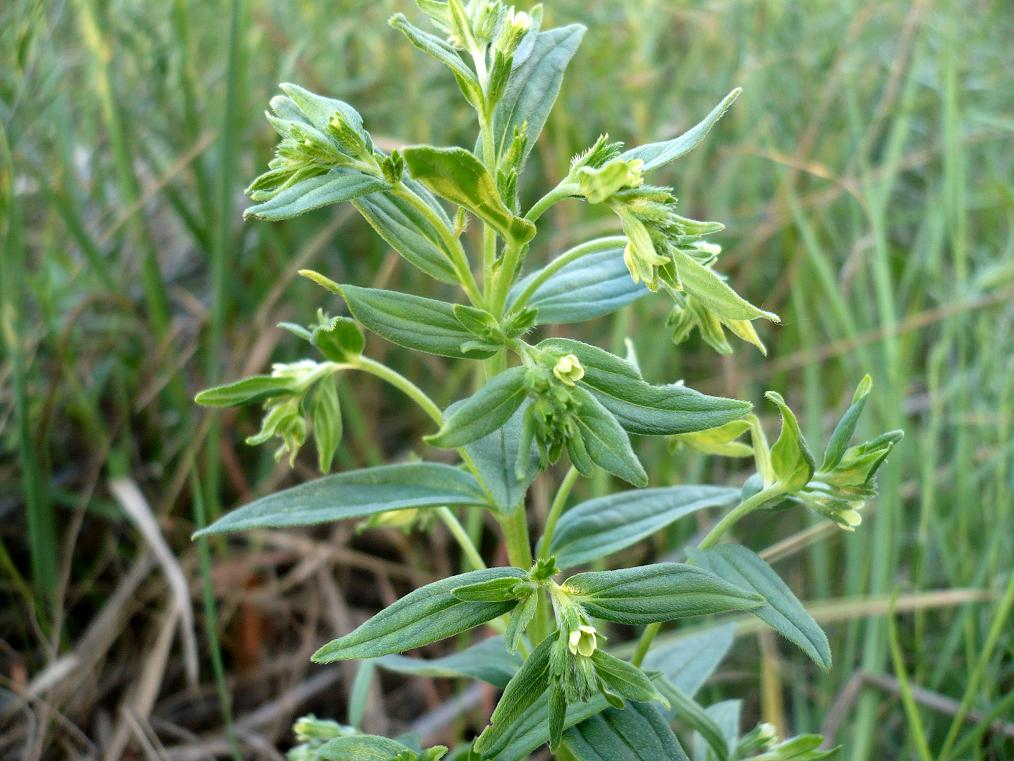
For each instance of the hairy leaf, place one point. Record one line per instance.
(487, 661)
(605, 441)
(408, 231)
(484, 412)
(360, 748)
(713, 292)
(782, 611)
(340, 184)
(428, 614)
(654, 593)
(534, 85)
(599, 527)
(528, 684)
(458, 176)
(495, 456)
(250, 390)
(846, 427)
(412, 321)
(791, 459)
(689, 661)
(591, 286)
(639, 406)
(639, 732)
(655, 155)
(356, 494)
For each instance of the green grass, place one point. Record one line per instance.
(865, 176)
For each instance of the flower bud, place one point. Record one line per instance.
(568, 369)
(583, 640)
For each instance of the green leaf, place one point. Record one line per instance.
(534, 85)
(605, 441)
(356, 494)
(441, 51)
(846, 427)
(484, 412)
(782, 611)
(491, 590)
(790, 456)
(408, 231)
(315, 110)
(685, 708)
(487, 661)
(360, 748)
(599, 527)
(713, 292)
(655, 155)
(340, 340)
(326, 421)
(250, 390)
(531, 730)
(725, 716)
(588, 287)
(411, 321)
(458, 176)
(625, 679)
(428, 614)
(720, 441)
(638, 732)
(528, 684)
(340, 184)
(654, 593)
(495, 456)
(639, 406)
(690, 660)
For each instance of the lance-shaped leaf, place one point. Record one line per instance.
(487, 661)
(713, 292)
(340, 184)
(639, 732)
(599, 527)
(690, 660)
(639, 406)
(531, 730)
(533, 86)
(412, 321)
(605, 441)
(495, 456)
(655, 155)
(250, 390)
(588, 287)
(685, 708)
(781, 611)
(625, 679)
(441, 51)
(654, 593)
(428, 614)
(408, 231)
(356, 494)
(372, 748)
(523, 690)
(846, 427)
(458, 176)
(791, 459)
(486, 410)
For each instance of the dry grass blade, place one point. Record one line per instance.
(136, 507)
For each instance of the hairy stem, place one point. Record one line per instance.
(555, 510)
(563, 190)
(515, 530)
(644, 643)
(568, 256)
(745, 507)
(459, 533)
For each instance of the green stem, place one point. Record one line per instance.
(428, 406)
(515, 530)
(745, 507)
(590, 247)
(761, 450)
(555, 510)
(403, 384)
(459, 533)
(563, 190)
(643, 644)
(459, 259)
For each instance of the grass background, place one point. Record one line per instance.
(867, 181)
